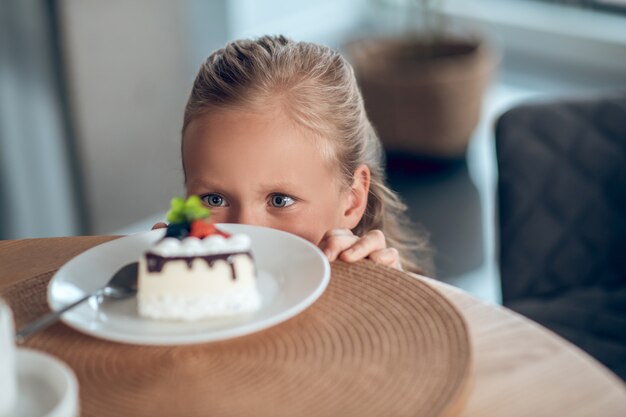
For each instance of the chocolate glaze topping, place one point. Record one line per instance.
(156, 262)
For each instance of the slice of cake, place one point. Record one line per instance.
(196, 271)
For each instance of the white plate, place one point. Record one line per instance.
(293, 273)
(47, 387)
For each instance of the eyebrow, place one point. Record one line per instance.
(264, 187)
(202, 184)
(277, 185)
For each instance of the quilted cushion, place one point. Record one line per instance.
(562, 196)
(562, 215)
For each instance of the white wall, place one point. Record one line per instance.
(323, 21)
(128, 66)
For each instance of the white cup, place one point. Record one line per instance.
(47, 386)
(33, 383)
(8, 370)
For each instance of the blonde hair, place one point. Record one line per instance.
(316, 87)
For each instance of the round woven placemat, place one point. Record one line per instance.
(377, 343)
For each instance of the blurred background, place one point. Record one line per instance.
(92, 96)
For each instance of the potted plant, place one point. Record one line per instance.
(423, 89)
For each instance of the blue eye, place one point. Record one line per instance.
(281, 200)
(214, 200)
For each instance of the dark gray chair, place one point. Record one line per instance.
(562, 218)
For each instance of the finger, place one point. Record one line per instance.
(388, 257)
(336, 232)
(334, 244)
(370, 242)
(159, 225)
(332, 234)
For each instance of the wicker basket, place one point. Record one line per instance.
(424, 100)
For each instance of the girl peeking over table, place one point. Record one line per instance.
(275, 134)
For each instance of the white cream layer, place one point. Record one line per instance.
(192, 246)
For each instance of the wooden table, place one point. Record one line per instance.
(521, 368)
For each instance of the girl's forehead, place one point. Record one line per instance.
(253, 128)
(230, 141)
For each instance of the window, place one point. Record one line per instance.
(617, 6)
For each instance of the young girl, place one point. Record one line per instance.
(275, 134)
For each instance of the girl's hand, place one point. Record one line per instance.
(345, 245)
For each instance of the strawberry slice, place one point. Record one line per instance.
(202, 229)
